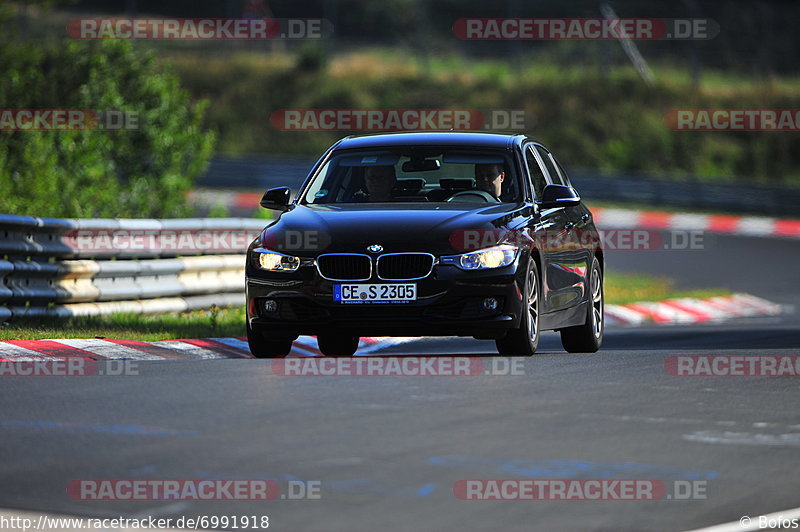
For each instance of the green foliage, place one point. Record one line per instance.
(592, 119)
(214, 322)
(311, 57)
(138, 172)
(218, 210)
(262, 214)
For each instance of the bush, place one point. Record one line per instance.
(142, 172)
(605, 120)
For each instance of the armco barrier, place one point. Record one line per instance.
(58, 268)
(740, 196)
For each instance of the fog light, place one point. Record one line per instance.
(270, 305)
(490, 303)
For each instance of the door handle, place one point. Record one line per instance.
(585, 217)
(569, 225)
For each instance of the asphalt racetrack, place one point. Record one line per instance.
(386, 452)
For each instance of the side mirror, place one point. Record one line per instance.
(554, 196)
(277, 199)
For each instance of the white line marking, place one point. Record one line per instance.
(752, 523)
(164, 510)
(745, 438)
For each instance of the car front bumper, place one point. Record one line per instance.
(449, 303)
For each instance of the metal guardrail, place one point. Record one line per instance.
(694, 194)
(58, 268)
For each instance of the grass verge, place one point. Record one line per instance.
(227, 322)
(213, 323)
(629, 288)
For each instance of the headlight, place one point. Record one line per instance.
(484, 259)
(275, 262)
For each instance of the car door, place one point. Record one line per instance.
(580, 216)
(566, 274)
(547, 225)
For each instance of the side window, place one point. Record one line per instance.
(561, 171)
(555, 177)
(537, 176)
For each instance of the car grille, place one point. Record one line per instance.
(404, 266)
(345, 267)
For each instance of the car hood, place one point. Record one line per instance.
(315, 229)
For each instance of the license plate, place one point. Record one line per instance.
(375, 293)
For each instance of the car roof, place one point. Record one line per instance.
(432, 138)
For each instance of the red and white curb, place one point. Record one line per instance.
(671, 311)
(226, 198)
(713, 223)
(186, 349)
(691, 310)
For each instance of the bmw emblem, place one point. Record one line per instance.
(375, 248)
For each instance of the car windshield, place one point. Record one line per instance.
(415, 175)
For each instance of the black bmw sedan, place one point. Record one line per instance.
(427, 234)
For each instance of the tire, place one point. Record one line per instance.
(588, 337)
(337, 345)
(260, 347)
(524, 340)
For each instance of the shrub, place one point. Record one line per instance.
(142, 172)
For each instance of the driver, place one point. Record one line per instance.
(379, 180)
(489, 178)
